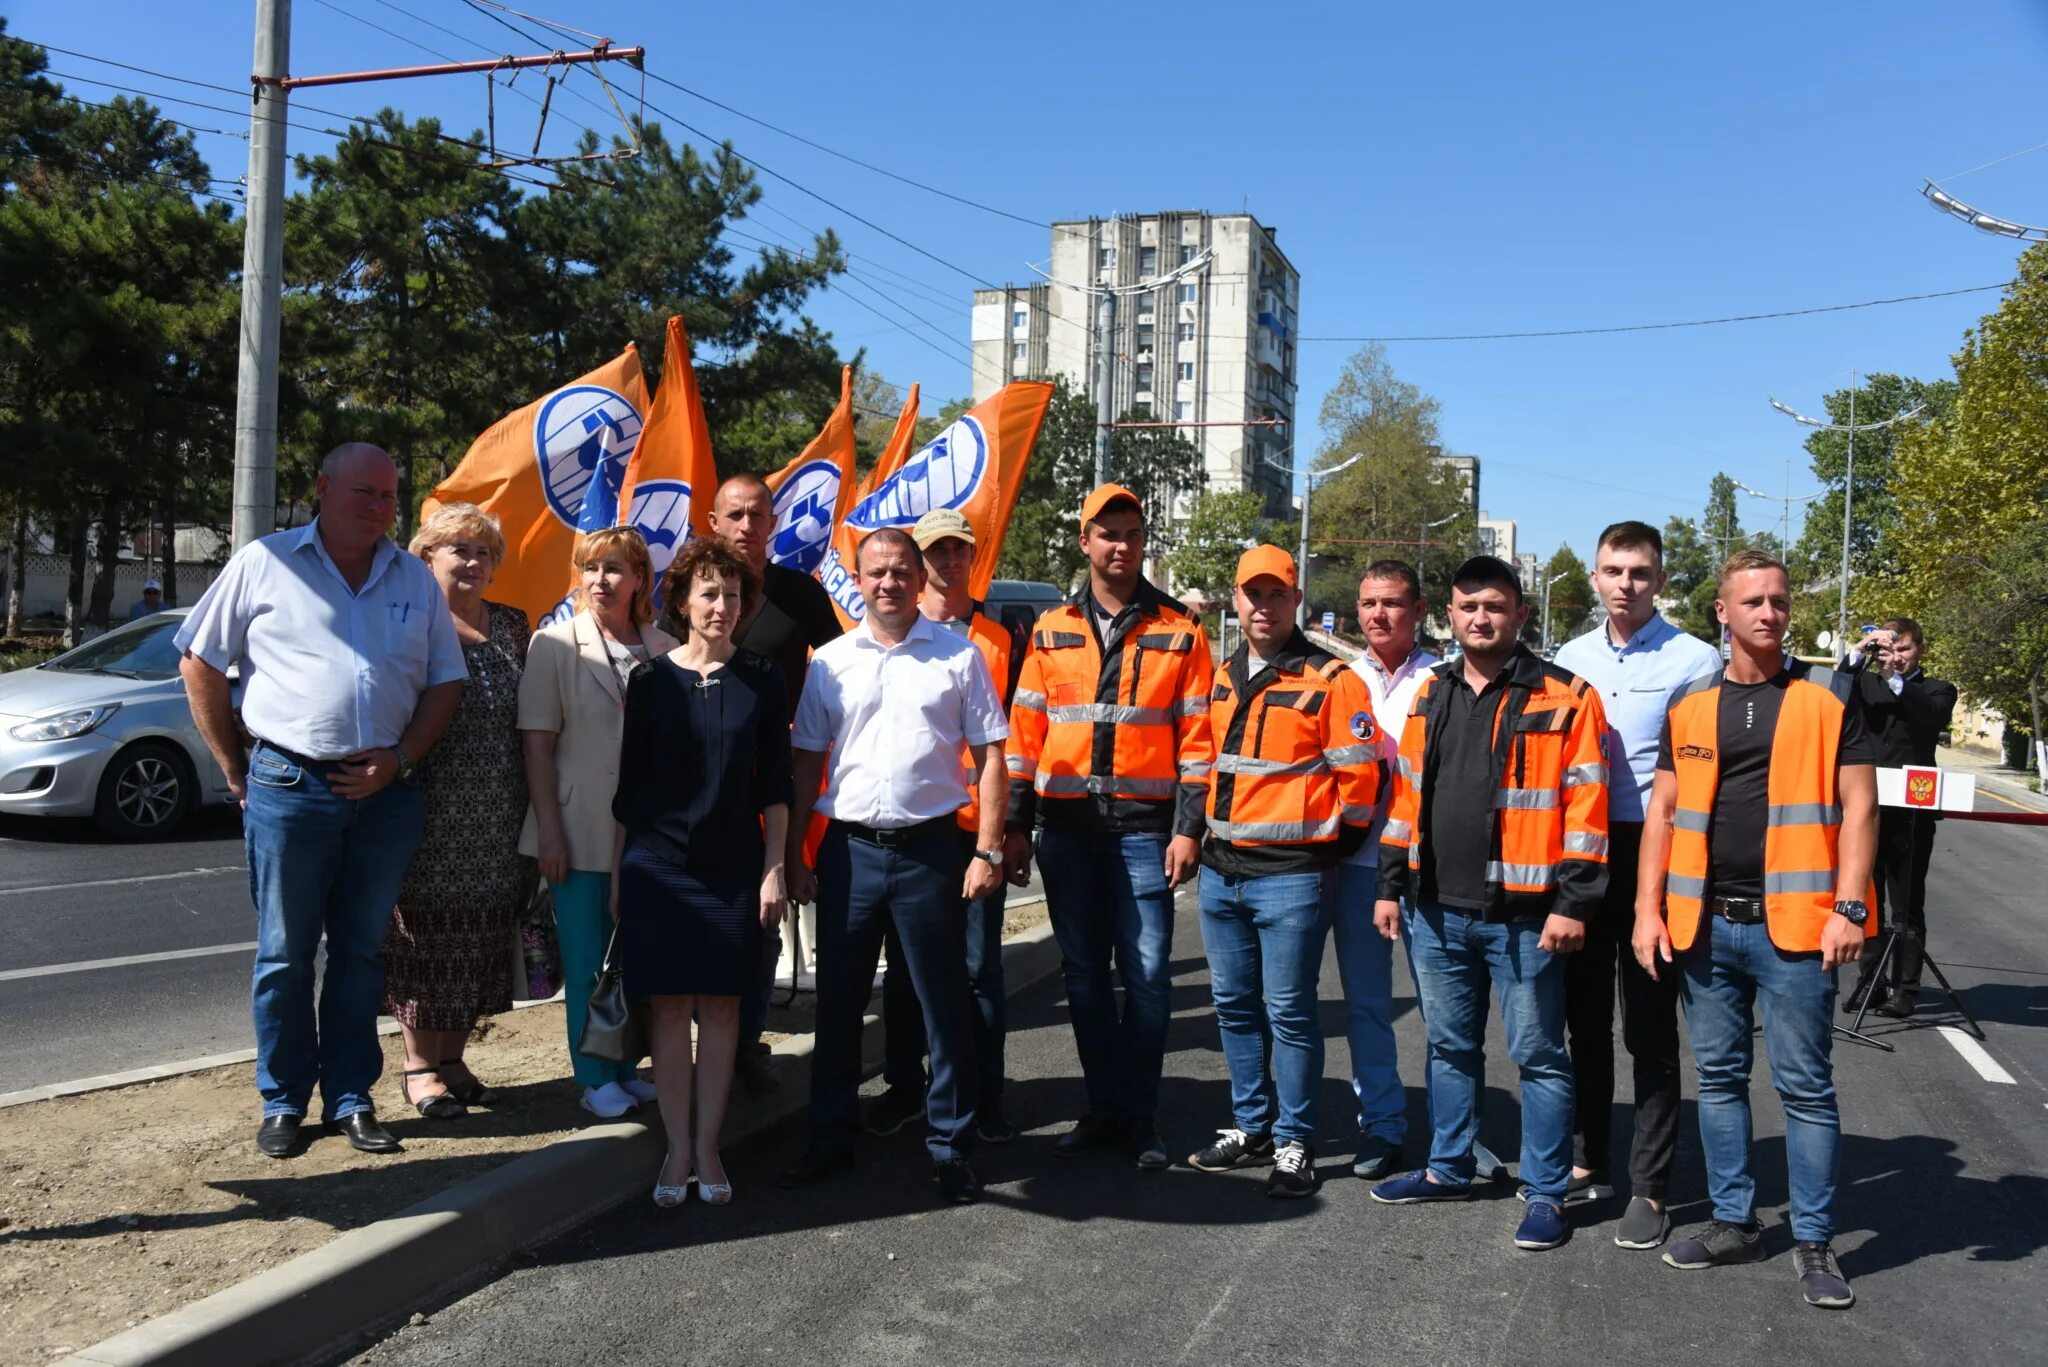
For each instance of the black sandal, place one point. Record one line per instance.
(475, 1094)
(440, 1106)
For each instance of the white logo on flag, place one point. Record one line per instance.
(945, 474)
(576, 430)
(803, 515)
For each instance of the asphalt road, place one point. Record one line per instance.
(1943, 1214)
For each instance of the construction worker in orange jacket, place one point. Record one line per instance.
(1498, 833)
(1109, 762)
(1295, 786)
(1754, 887)
(947, 539)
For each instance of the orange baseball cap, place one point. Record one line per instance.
(1103, 497)
(1265, 560)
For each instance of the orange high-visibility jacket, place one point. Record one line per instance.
(1113, 733)
(1803, 826)
(1298, 768)
(1549, 780)
(994, 641)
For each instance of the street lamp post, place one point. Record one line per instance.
(1309, 480)
(1848, 482)
(1546, 606)
(1422, 548)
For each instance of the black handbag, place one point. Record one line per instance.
(615, 1027)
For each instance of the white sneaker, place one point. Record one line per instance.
(638, 1090)
(609, 1101)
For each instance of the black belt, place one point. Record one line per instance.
(1741, 911)
(303, 761)
(898, 835)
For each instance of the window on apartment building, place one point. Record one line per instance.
(1186, 332)
(1187, 370)
(1180, 410)
(1187, 293)
(1187, 254)
(1019, 352)
(1141, 409)
(1148, 260)
(1105, 257)
(1020, 320)
(1144, 377)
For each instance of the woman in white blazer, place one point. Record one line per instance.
(572, 709)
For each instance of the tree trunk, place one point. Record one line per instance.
(100, 611)
(74, 584)
(2040, 748)
(17, 592)
(167, 529)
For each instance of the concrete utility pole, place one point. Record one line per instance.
(1105, 380)
(1308, 486)
(255, 510)
(1546, 608)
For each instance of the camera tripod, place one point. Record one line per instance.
(1854, 1030)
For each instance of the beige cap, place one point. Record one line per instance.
(940, 523)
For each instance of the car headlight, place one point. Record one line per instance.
(65, 725)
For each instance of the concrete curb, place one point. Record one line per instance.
(321, 1302)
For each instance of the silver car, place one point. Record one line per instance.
(104, 731)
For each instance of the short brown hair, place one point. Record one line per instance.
(628, 545)
(1751, 558)
(890, 536)
(1395, 569)
(1624, 536)
(1906, 626)
(706, 557)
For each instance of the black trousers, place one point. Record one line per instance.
(1649, 1030)
(1905, 845)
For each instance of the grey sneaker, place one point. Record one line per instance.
(1642, 1225)
(1233, 1149)
(1377, 1156)
(1820, 1276)
(1147, 1149)
(1486, 1164)
(1718, 1245)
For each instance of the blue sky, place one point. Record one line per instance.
(1429, 168)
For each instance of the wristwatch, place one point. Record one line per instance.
(1855, 913)
(992, 858)
(405, 766)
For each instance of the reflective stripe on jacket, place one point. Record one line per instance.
(1803, 826)
(1298, 770)
(994, 641)
(1548, 818)
(1113, 733)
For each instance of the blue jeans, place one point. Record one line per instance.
(321, 865)
(1365, 964)
(1106, 896)
(1736, 970)
(1264, 938)
(862, 888)
(903, 1021)
(583, 927)
(1455, 953)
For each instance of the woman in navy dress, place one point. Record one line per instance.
(702, 810)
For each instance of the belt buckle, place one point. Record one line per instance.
(1740, 911)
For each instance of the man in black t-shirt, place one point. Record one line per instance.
(793, 618)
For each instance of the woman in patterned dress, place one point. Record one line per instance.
(447, 957)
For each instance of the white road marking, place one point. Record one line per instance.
(88, 965)
(114, 882)
(1975, 1055)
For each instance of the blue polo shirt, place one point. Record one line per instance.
(1636, 682)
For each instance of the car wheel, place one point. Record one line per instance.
(146, 791)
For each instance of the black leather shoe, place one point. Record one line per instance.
(1898, 1007)
(281, 1136)
(363, 1132)
(815, 1166)
(957, 1182)
(1091, 1132)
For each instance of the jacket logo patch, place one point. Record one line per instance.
(1694, 752)
(1363, 726)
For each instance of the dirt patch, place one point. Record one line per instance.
(122, 1205)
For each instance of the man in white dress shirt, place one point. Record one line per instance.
(351, 670)
(886, 709)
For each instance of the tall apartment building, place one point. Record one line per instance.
(1465, 468)
(1497, 537)
(1215, 344)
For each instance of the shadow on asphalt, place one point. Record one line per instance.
(208, 823)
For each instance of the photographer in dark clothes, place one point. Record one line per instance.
(1907, 713)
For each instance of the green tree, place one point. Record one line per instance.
(1220, 527)
(1989, 621)
(1873, 511)
(1571, 597)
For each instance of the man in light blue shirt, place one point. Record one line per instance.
(1637, 660)
(350, 669)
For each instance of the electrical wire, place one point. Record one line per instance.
(1662, 327)
(176, 123)
(2013, 156)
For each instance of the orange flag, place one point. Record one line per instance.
(813, 492)
(547, 469)
(668, 485)
(896, 452)
(977, 466)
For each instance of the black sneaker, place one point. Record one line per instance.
(892, 1110)
(1294, 1170)
(1147, 1148)
(1642, 1225)
(1720, 1244)
(958, 1186)
(992, 1125)
(1854, 1002)
(1377, 1156)
(1594, 1186)
(1899, 1006)
(1820, 1276)
(1233, 1149)
(1090, 1132)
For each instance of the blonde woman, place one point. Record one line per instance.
(572, 711)
(444, 955)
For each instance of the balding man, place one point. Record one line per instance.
(350, 672)
(793, 618)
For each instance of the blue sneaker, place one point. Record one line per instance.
(1412, 1187)
(1543, 1227)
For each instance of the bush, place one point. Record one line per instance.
(22, 652)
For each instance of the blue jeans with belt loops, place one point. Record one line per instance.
(1264, 938)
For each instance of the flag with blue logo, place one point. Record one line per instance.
(668, 486)
(813, 492)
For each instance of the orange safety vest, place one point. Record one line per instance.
(1803, 827)
(1549, 812)
(994, 641)
(1113, 732)
(1298, 771)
